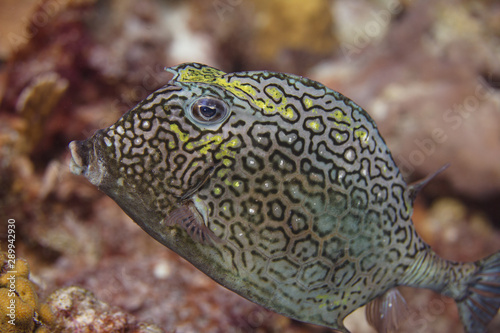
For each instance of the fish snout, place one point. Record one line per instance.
(79, 157)
(85, 160)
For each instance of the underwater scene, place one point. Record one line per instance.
(249, 166)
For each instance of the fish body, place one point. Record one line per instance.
(279, 189)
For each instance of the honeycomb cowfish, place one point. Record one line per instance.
(280, 189)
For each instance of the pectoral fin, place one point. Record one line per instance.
(190, 219)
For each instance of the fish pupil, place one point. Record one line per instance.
(208, 111)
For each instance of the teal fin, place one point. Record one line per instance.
(482, 300)
(415, 187)
(387, 312)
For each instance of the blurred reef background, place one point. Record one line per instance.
(428, 72)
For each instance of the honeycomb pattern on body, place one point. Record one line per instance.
(297, 187)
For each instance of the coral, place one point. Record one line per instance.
(78, 310)
(183, 299)
(456, 231)
(23, 314)
(431, 84)
(35, 104)
(20, 309)
(295, 25)
(425, 61)
(13, 15)
(282, 35)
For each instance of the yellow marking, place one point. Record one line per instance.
(308, 102)
(314, 125)
(182, 136)
(171, 145)
(212, 75)
(222, 172)
(233, 143)
(224, 151)
(407, 208)
(282, 110)
(216, 138)
(227, 162)
(269, 107)
(362, 134)
(274, 92)
(241, 90)
(265, 106)
(236, 184)
(221, 154)
(204, 74)
(288, 113)
(342, 125)
(323, 298)
(205, 143)
(326, 298)
(205, 149)
(339, 116)
(217, 190)
(236, 87)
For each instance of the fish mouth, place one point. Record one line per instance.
(78, 164)
(84, 161)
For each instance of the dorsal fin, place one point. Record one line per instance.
(194, 72)
(415, 187)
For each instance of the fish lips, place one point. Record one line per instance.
(85, 161)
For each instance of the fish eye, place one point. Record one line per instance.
(209, 110)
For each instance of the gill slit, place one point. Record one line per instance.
(190, 193)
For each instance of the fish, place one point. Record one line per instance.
(281, 190)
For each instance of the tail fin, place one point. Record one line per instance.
(482, 300)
